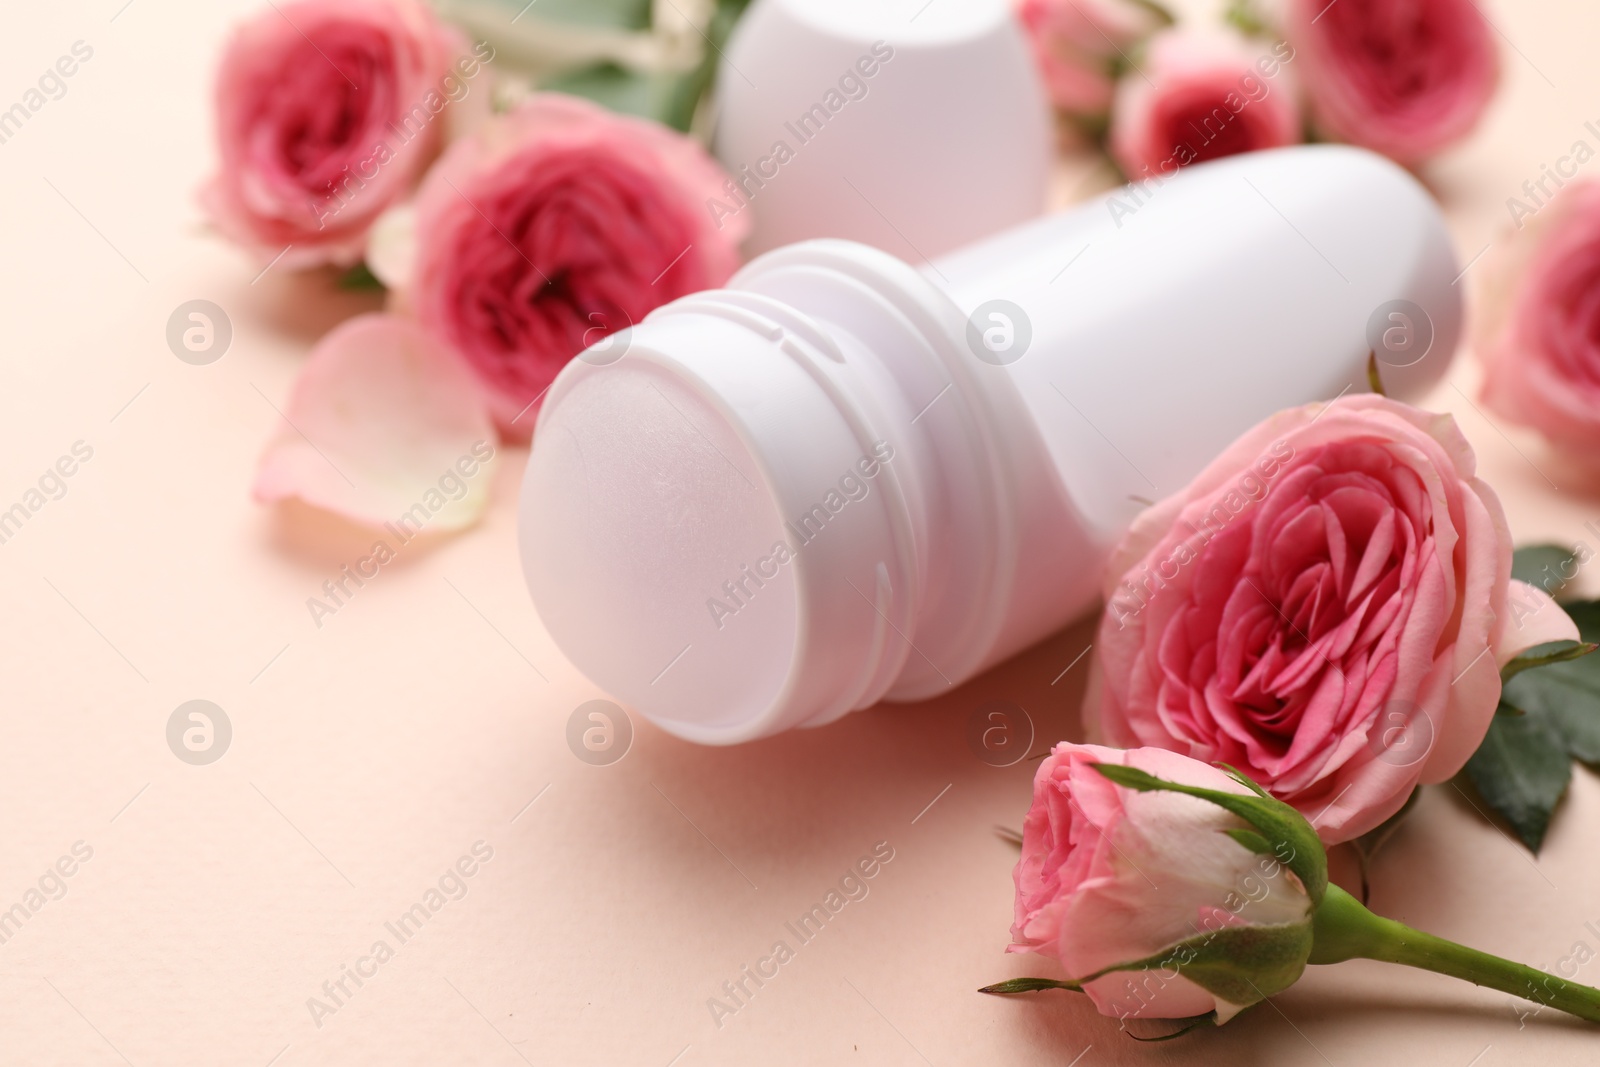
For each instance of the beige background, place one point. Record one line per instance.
(370, 754)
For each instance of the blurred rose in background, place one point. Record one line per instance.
(1199, 95)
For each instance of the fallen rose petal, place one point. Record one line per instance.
(383, 426)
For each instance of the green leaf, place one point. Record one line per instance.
(603, 14)
(1549, 567)
(1374, 379)
(657, 96)
(1566, 695)
(1549, 711)
(360, 278)
(1028, 985)
(1521, 770)
(1243, 16)
(670, 98)
(1567, 692)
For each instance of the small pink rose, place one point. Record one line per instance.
(1326, 607)
(326, 113)
(1538, 330)
(1406, 78)
(555, 225)
(1110, 876)
(1078, 45)
(1200, 96)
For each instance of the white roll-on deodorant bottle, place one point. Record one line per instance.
(845, 479)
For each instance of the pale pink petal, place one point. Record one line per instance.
(1536, 619)
(383, 426)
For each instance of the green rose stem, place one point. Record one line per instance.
(1345, 930)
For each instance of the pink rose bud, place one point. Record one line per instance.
(1407, 78)
(1197, 96)
(1326, 607)
(555, 226)
(1170, 890)
(326, 113)
(1080, 44)
(1538, 328)
(1114, 879)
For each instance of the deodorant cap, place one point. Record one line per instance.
(915, 126)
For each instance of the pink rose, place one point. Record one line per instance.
(326, 113)
(1200, 96)
(1078, 45)
(1110, 876)
(1538, 330)
(553, 226)
(1326, 608)
(1403, 77)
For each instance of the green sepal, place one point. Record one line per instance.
(1374, 379)
(1242, 15)
(360, 278)
(1239, 965)
(1251, 840)
(1544, 655)
(1293, 842)
(1159, 10)
(1193, 1022)
(1014, 986)
(1243, 779)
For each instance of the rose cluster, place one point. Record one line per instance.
(1293, 644)
(1407, 78)
(355, 132)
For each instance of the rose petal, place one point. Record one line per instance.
(382, 426)
(1536, 619)
(392, 247)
